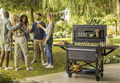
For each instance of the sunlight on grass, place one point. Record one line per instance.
(116, 40)
(59, 62)
(60, 39)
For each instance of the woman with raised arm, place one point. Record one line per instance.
(49, 41)
(21, 43)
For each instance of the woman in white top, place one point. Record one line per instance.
(49, 41)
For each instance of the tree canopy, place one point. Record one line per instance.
(78, 7)
(88, 8)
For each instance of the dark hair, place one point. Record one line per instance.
(39, 14)
(6, 13)
(26, 21)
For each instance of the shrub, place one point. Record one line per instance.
(112, 59)
(9, 77)
(63, 34)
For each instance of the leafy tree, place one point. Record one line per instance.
(43, 6)
(92, 10)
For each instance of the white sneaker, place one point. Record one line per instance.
(49, 66)
(6, 68)
(29, 68)
(16, 69)
(45, 64)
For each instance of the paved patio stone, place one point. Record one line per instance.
(111, 75)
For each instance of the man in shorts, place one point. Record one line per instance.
(5, 36)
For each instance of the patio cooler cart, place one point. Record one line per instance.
(89, 48)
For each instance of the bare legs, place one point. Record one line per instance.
(5, 54)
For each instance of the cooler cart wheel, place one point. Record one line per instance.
(69, 75)
(97, 78)
(101, 74)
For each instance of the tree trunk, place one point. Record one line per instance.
(32, 16)
(118, 13)
(116, 28)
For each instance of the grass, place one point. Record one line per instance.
(59, 61)
(59, 39)
(116, 42)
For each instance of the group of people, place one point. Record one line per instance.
(43, 36)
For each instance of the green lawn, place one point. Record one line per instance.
(116, 42)
(59, 62)
(57, 40)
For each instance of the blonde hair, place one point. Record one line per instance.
(51, 17)
(15, 19)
